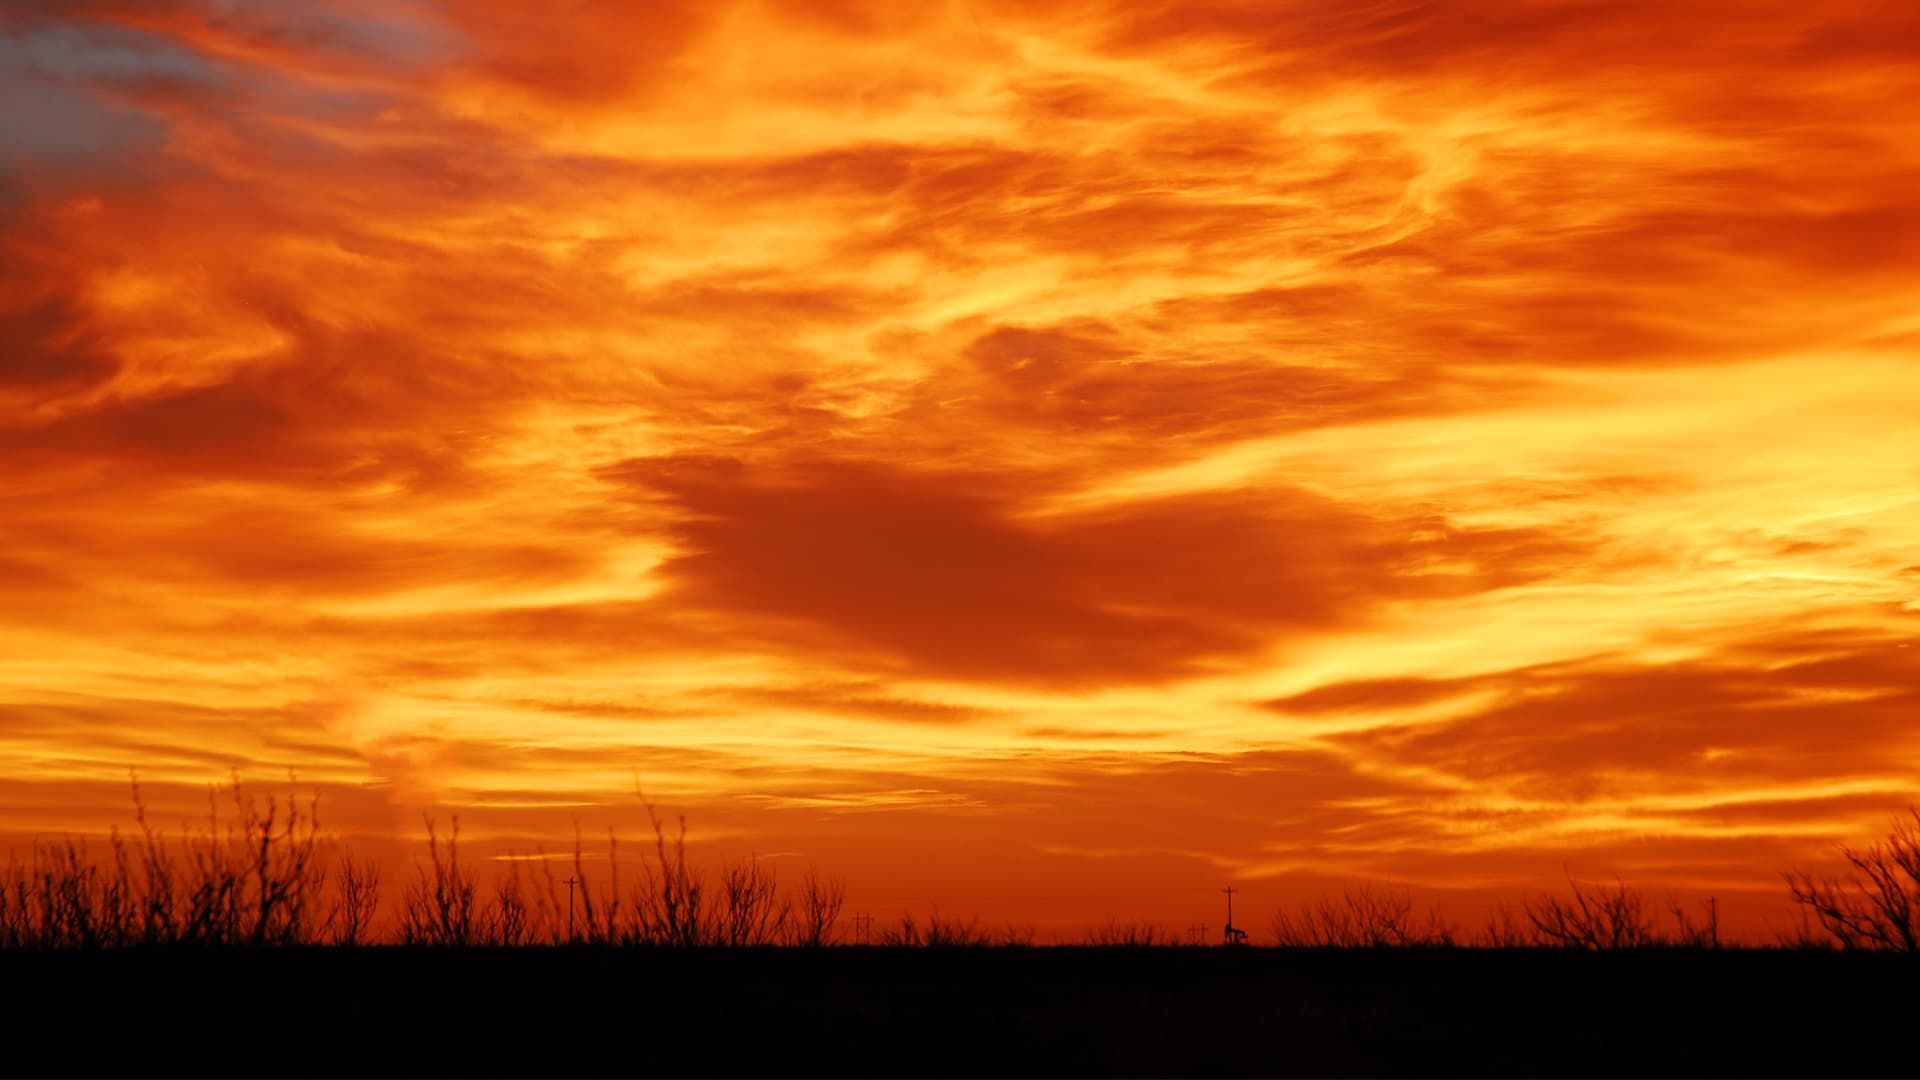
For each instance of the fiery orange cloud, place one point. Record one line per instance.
(1040, 459)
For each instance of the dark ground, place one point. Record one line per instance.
(1142, 1012)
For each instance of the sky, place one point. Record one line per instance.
(1044, 460)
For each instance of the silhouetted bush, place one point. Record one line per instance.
(1690, 932)
(673, 905)
(1130, 935)
(818, 912)
(254, 878)
(440, 906)
(938, 932)
(1875, 906)
(752, 911)
(1506, 928)
(356, 900)
(1363, 917)
(1593, 918)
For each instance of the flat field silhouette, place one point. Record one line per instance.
(540, 1011)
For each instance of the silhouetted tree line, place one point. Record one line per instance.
(260, 873)
(1585, 917)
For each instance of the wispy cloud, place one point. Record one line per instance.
(1119, 443)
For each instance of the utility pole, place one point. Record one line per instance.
(1233, 934)
(570, 883)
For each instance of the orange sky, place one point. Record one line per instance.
(1039, 459)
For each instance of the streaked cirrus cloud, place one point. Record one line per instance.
(1115, 445)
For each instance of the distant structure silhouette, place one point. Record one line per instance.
(570, 883)
(1233, 935)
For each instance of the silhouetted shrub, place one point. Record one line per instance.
(937, 932)
(752, 911)
(252, 878)
(1506, 929)
(1690, 932)
(356, 901)
(1593, 918)
(672, 904)
(439, 906)
(1876, 905)
(1130, 935)
(818, 911)
(1363, 917)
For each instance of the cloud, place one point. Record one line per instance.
(942, 570)
(42, 351)
(70, 123)
(1741, 735)
(1420, 440)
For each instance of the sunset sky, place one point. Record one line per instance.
(1044, 460)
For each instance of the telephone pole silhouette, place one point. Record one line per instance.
(1233, 934)
(570, 883)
